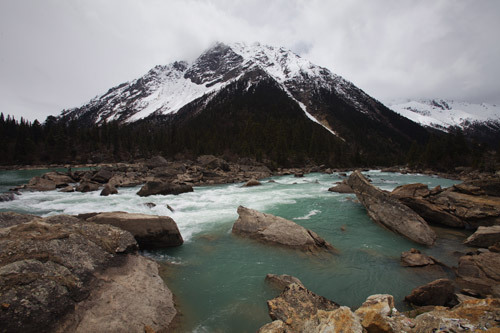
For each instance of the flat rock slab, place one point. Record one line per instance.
(414, 258)
(150, 231)
(127, 298)
(277, 230)
(480, 272)
(389, 212)
(484, 236)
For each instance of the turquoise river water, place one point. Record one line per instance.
(218, 278)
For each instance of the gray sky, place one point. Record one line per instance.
(57, 54)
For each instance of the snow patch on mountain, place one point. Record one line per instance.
(442, 114)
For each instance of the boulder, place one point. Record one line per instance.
(439, 292)
(109, 189)
(432, 213)
(212, 162)
(488, 186)
(252, 182)
(87, 186)
(9, 196)
(8, 219)
(41, 184)
(389, 212)
(341, 188)
(60, 179)
(128, 179)
(484, 236)
(156, 161)
(276, 326)
(150, 231)
(277, 230)
(296, 304)
(46, 268)
(282, 281)
(474, 210)
(480, 272)
(411, 190)
(338, 320)
(414, 258)
(102, 176)
(159, 187)
(378, 314)
(67, 189)
(129, 298)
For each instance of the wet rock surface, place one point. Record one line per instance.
(389, 212)
(282, 281)
(163, 188)
(276, 230)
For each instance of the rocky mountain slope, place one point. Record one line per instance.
(247, 99)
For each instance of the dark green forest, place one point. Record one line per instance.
(288, 142)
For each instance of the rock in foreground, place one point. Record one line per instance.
(277, 230)
(150, 231)
(59, 274)
(439, 292)
(389, 212)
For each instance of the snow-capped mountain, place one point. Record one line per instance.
(442, 114)
(257, 100)
(166, 89)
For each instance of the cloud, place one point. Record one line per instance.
(58, 54)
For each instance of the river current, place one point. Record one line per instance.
(218, 278)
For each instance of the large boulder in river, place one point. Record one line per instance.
(150, 231)
(59, 178)
(278, 231)
(41, 184)
(87, 186)
(108, 190)
(484, 236)
(9, 196)
(341, 188)
(389, 212)
(102, 176)
(160, 187)
(439, 292)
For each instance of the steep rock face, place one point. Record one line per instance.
(389, 212)
(277, 230)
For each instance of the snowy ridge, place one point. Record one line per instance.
(442, 114)
(167, 89)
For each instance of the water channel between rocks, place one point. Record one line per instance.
(218, 278)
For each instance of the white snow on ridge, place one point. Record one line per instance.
(445, 113)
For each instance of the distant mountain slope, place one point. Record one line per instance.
(442, 114)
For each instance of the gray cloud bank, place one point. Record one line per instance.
(58, 54)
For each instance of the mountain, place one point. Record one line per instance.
(254, 99)
(479, 121)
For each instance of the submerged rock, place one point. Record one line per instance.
(87, 186)
(389, 212)
(277, 230)
(150, 231)
(414, 258)
(108, 190)
(164, 188)
(252, 182)
(9, 196)
(484, 236)
(439, 292)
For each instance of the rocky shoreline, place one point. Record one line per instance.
(76, 273)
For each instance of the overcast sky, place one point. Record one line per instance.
(57, 54)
